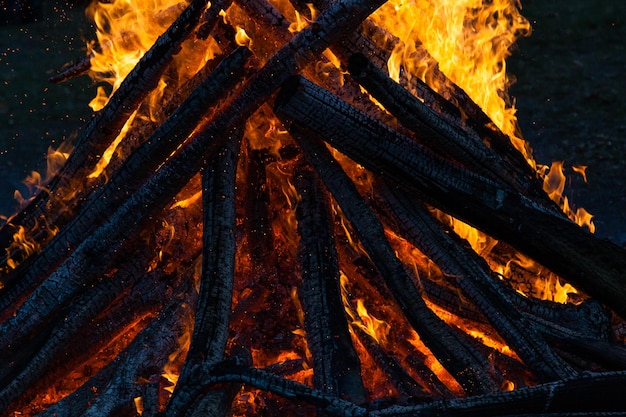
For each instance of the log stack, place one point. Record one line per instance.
(216, 266)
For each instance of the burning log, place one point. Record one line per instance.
(336, 364)
(133, 173)
(474, 277)
(212, 318)
(445, 137)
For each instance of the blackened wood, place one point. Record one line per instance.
(472, 275)
(94, 255)
(210, 334)
(596, 266)
(337, 369)
(142, 359)
(209, 19)
(108, 122)
(262, 10)
(467, 365)
(258, 226)
(234, 371)
(611, 356)
(74, 70)
(587, 393)
(444, 136)
(142, 163)
(17, 377)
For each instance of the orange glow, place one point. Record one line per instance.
(138, 405)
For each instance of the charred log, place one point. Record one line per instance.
(335, 361)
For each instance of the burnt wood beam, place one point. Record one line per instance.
(596, 266)
(234, 370)
(465, 363)
(108, 122)
(450, 107)
(93, 256)
(210, 18)
(472, 275)
(212, 316)
(336, 365)
(75, 69)
(588, 395)
(138, 167)
(444, 136)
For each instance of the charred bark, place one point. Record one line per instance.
(448, 138)
(473, 276)
(212, 318)
(115, 386)
(335, 361)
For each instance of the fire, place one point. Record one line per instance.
(554, 185)
(468, 40)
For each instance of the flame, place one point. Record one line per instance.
(554, 185)
(242, 38)
(108, 153)
(376, 328)
(138, 405)
(469, 41)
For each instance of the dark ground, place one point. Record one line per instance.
(570, 95)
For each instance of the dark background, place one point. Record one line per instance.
(569, 91)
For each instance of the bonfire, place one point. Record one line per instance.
(326, 208)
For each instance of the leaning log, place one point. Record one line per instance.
(596, 266)
(444, 136)
(212, 318)
(472, 275)
(335, 361)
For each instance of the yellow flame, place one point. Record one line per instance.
(188, 201)
(108, 153)
(469, 41)
(242, 38)
(554, 185)
(376, 328)
(138, 405)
